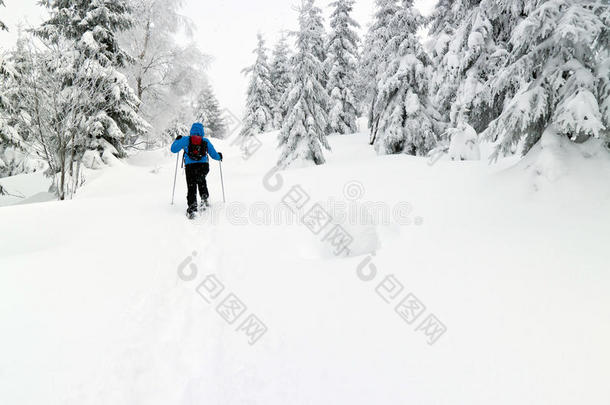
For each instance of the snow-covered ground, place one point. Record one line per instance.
(99, 301)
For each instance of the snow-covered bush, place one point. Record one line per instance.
(176, 128)
(464, 144)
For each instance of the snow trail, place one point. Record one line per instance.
(93, 309)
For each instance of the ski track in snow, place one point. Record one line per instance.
(93, 310)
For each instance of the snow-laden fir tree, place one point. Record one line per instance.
(2, 25)
(557, 77)
(317, 34)
(447, 41)
(22, 63)
(258, 117)
(466, 47)
(207, 111)
(341, 66)
(373, 59)
(16, 152)
(9, 137)
(404, 118)
(280, 78)
(7, 133)
(304, 131)
(92, 27)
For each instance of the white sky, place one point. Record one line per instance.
(226, 30)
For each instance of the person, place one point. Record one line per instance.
(196, 149)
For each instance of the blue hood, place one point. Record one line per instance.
(197, 129)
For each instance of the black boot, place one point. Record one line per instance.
(204, 202)
(191, 212)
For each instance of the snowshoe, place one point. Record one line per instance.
(191, 212)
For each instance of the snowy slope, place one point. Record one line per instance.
(95, 310)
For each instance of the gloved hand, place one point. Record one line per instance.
(220, 154)
(179, 137)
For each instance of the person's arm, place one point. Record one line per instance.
(180, 143)
(212, 151)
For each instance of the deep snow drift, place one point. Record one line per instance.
(103, 298)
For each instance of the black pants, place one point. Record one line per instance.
(195, 179)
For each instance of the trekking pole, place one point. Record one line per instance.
(222, 182)
(175, 177)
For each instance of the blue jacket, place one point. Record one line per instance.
(183, 144)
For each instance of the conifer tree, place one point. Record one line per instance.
(4, 128)
(341, 65)
(469, 44)
(18, 95)
(2, 25)
(304, 131)
(280, 78)
(9, 137)
(556, 77)
(374, 58)
(317, 34)
(447, 17)
(259, 103)
(93, 26)
(404, 119)
(207, 111)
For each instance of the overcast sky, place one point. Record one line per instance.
(226, 30)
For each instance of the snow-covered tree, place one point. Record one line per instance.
(466, 55)
(58, 113)
(280, 78)
(207, 111)
(447, 41)
(259, 103)
(9, 137)
(177, 127)
(404, 118)
(163, 71)
(556, 77)
(92, 27)
(374, 58)
(22, 63)
(304, 131)
(318, 34)
(16, 132)
(2, 25)
(341, 66)
(10, 140)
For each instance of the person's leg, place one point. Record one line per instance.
(191, 184)
(203, 184)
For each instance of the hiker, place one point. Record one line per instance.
(196, 150)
